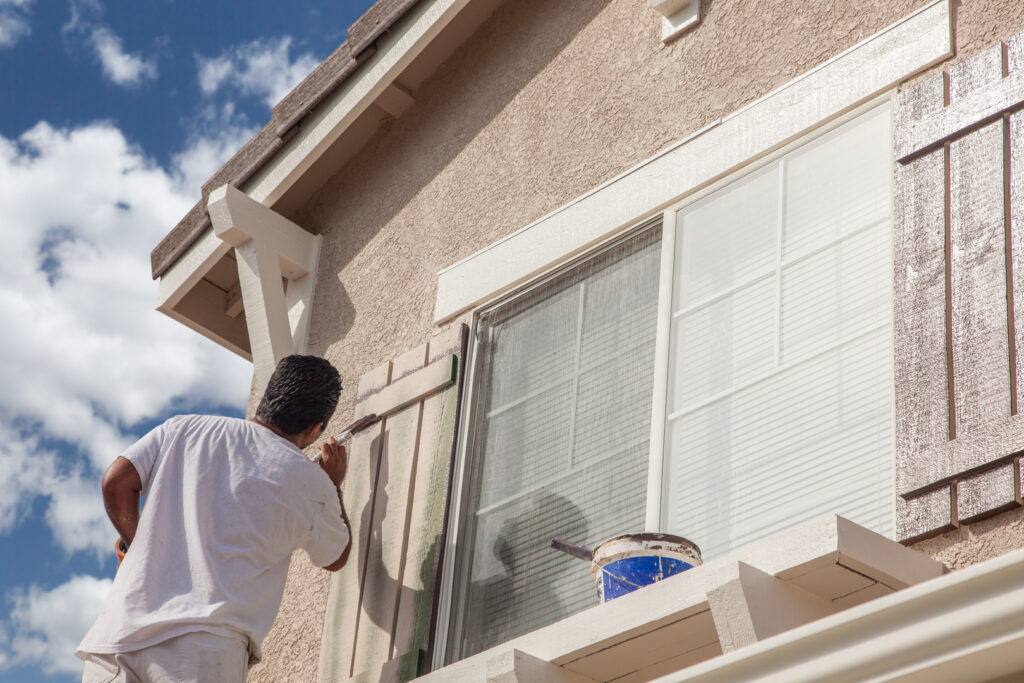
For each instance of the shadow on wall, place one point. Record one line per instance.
(390, 595)
(451, 109)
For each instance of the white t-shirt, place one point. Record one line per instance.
(227, 502)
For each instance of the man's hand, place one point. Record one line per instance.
(333, 460)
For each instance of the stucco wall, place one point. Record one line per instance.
(978, 542)
(546, 101)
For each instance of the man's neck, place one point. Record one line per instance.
(294, 438)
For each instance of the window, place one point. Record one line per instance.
(776, 380)
(779, 401)
(559, 447)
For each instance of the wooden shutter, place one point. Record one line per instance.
(379, 622)
(959, 288)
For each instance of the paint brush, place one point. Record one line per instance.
(357, 426)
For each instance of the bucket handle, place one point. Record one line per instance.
(577, 551)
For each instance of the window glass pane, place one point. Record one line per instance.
(833, 185)
(800, 444)
(728, 238)
(529, 426)
(518, 370)
(780, 392)
(836, 293)
(560, 425)
(723, 344)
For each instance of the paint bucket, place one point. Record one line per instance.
(625, 563)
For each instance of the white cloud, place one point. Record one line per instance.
(120, 67)
(213, 73)
(220, 137)
(262, 68)
(14, 21)
(84, 355)
(77, 517)
(25, 472)
(45, 627)
(75, 512)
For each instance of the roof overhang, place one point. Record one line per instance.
(312, 135)
(188, 293)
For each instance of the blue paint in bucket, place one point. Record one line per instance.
(630, 573)
(627, 563)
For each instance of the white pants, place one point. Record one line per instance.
(198, 657)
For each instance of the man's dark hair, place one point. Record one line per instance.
(302, 391)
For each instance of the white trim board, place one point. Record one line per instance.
(277, 262)
(373, 84)
(855, 76)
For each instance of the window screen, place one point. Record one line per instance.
(560, 426)
(780, 379)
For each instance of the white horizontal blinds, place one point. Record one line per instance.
(560, 423)
(780, 387)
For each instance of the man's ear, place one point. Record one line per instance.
(310, 433)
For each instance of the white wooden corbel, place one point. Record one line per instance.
(277, 262)
(676, 16)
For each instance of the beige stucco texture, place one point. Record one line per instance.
(977, 542)
(544, 102)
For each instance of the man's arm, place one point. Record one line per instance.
(343, 558)
(121, 490)
(334, 461)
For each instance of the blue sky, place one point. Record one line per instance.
(111, 117)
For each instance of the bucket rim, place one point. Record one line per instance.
(648, 536)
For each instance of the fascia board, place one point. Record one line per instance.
(856, 76)
(395, 51)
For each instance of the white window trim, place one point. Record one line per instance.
(839, 85)
(830, 545)
(787, 118)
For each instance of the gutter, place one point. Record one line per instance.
(964, 626)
